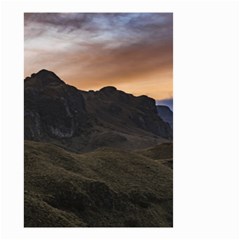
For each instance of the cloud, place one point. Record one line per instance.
(96, 49)
(101, 21)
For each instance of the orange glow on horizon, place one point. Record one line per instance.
(132, 52)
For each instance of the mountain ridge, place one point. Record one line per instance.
(55, 111)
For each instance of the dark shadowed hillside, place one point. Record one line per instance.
(94, 159)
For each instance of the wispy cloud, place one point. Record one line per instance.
(96, 49)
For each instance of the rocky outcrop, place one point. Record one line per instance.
(126, 111)
(52, 108)
(55, 111)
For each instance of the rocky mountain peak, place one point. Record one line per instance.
(43, 78)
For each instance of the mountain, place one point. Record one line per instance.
(79, 120)
(166, 114)
(94, 158)
(52, 109)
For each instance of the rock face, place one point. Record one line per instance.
(56, 112)
(52, 109)
(166, 114)
(126, 111)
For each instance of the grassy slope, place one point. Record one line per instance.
(107, 187)
(162, 152)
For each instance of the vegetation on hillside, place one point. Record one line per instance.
(103, 188)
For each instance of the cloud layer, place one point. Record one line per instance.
(132, 51)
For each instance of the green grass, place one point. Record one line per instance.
(161, 151)
(104, 188)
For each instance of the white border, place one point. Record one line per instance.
(205, 119)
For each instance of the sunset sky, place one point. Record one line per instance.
(131, 51)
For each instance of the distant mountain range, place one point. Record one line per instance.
(166, 114)
(95, 159)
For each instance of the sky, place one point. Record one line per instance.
(131, 51)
